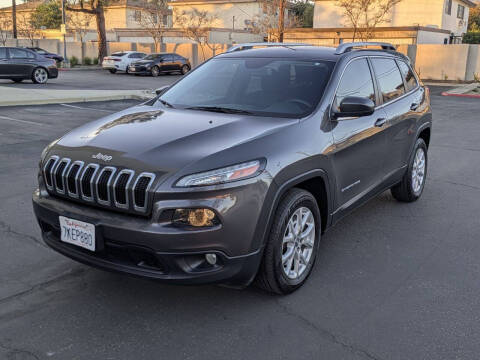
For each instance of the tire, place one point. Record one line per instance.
(185, 69)
(411, 188)
(127, 71)
(155, 71)
(40, 75)
(277, 275)
(112, 71)
(17, 80)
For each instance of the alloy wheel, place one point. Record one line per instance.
(418, 171)
(40, 75)
(298, 243)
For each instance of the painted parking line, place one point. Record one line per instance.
(87, 108)
(23, 121)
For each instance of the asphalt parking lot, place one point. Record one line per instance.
(98, 80)
(392, 281)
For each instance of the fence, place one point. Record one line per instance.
(457, 62)
(194, 52)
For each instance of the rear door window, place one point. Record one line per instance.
(408, 75)
(389, 78)
(3, 53)
(356, 81)
(20, 54)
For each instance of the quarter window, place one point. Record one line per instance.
(389, 78)
(407, 72)
(356, 81)
(3, 53)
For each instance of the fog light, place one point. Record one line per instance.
(211, 258)
(195, 217)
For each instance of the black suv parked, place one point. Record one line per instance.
(232, 174)
(20, 64)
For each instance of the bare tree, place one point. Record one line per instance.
(97, 9)
(28, 28)
(5, 26)
(151, 19)
(270, 22)
(365, 15)
(80, 23)
(196, 25)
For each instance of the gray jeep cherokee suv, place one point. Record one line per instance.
(232, 174)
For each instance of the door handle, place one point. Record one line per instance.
(414, 106)
(380, 122)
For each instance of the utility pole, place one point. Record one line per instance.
(281, 19)
(14, 19)
(233, 23)
(64, 32)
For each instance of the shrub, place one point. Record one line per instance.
(87, 61)
(74, 61)
(95, 61)
(472, 37)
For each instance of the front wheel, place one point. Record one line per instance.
(411, 187)
(292, 245)
(40, 76)
(185, 69)
(155, 71)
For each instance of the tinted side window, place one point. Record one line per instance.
(356, 81)
(20, 54)
(3, 53)
(178, 58)
(389, 78)
(408, 75)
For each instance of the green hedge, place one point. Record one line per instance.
(472, 37)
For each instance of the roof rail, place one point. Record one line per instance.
(248, 46)
(343, 48)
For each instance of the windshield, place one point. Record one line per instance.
(257, 86)
(152, 57)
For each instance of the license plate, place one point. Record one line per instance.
(132, 69)
(78, 233)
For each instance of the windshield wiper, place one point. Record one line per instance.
(220, 109)
(166, 103)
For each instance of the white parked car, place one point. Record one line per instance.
(120, 61)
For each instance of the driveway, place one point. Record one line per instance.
(392, 280)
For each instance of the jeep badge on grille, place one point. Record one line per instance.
(100, 156)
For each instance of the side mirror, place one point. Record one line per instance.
(161, 90)
(354, 106)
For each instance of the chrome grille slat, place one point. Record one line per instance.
(103, 185)
(140, 190)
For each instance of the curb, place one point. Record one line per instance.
(462, 95)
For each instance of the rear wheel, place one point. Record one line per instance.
(155, 71)
(185, 69)
(112, 71)
(40, 76)
(411, 187)
(292, 244)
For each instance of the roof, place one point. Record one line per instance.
(302, 52)
(188, 2)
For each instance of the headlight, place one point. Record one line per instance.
(220, 176)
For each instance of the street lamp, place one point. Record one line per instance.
(64, 32)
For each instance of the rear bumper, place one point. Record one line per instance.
(144, 247)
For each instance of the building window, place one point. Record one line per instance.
(460, 11)
(138, 16)
(448, 7)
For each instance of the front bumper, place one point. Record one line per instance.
(52, 73)
(148, 248)
(139, 71)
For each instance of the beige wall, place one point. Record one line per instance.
(442, 62)
(224, 13)
(429, 13)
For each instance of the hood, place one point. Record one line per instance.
(161, 140)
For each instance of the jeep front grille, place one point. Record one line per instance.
(95, 184)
